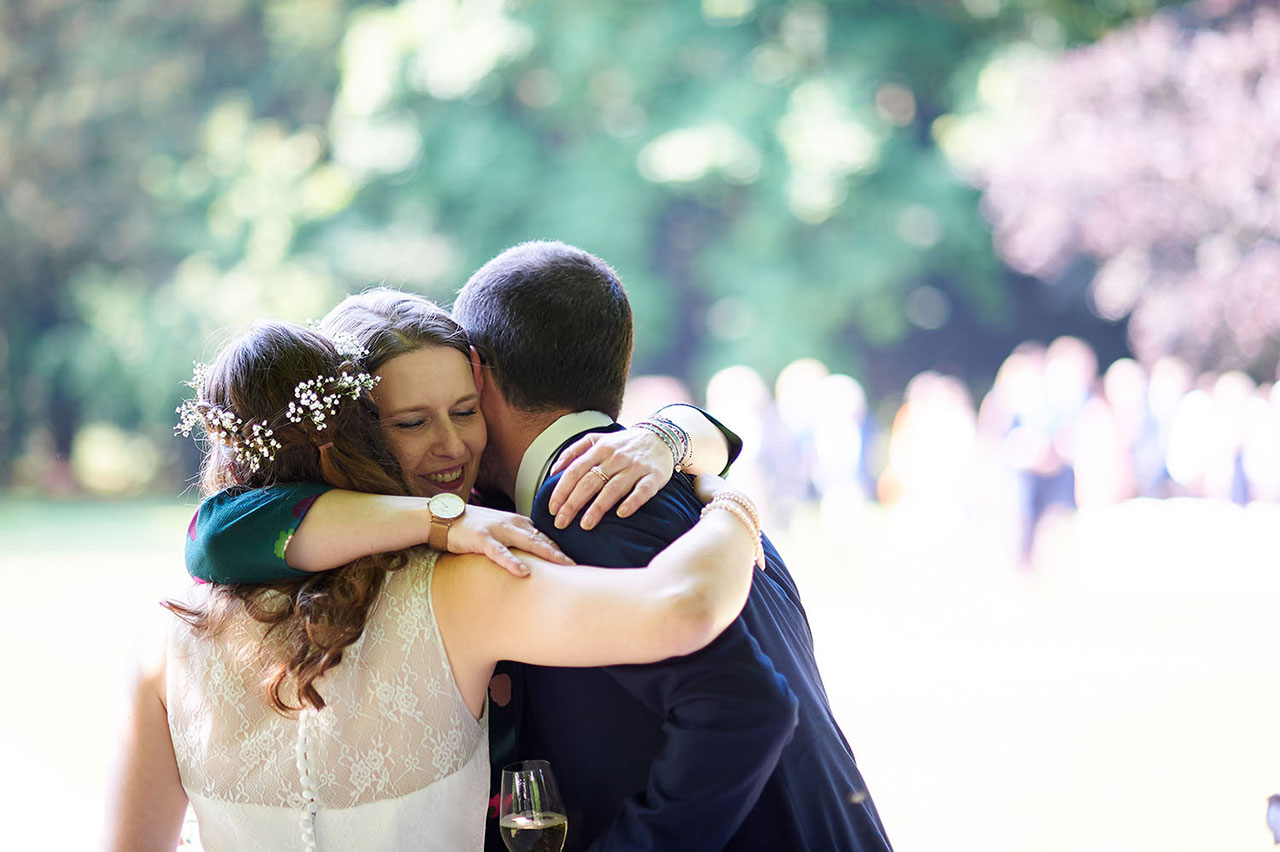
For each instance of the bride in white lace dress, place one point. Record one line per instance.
(345, 710)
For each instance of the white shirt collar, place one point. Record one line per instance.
(539, 457)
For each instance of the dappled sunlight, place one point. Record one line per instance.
(680, 156)
(446, 48)
(825, 144)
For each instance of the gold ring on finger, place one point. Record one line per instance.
(600, 473)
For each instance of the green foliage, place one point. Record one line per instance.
(762, 174)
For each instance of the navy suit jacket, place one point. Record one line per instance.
(696, 753)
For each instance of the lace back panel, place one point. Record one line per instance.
(394, 723)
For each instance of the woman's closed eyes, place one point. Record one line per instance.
(407, 425)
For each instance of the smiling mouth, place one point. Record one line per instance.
(445, 477)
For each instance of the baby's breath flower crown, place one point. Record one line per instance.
(254, 443)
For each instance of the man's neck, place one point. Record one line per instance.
(539, 455)
(512, 438)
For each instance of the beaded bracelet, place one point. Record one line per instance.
(667, 438)
(686, 444)
(675, 437)
(741, 507)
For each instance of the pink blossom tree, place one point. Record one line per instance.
(1155, 154)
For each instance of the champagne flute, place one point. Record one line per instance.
(531, 815)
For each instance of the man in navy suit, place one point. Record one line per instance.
(733, 747)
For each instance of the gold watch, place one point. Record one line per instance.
(445, 509)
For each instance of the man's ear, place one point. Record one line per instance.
(477, 370)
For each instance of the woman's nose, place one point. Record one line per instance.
(448, 443)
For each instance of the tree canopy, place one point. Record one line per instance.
(1152, 159)
(766, 176)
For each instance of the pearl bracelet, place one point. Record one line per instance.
(745, 502)
(741, 507)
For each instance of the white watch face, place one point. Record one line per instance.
(446, 506)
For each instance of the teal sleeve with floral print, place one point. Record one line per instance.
(239, 535)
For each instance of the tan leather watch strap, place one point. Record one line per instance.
(438, 536)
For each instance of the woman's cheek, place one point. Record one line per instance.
(402, 450)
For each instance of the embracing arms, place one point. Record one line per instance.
(577, 615)
(561, 615)
(712, 448)
(344, 525)
(292, 529)
(281, 532)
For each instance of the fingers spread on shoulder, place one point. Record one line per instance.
(613, 491)
(539, 545)
(573, 451)
(575, 474)
(583, 490)
(520, 533)
(508, 560)
(644, 490)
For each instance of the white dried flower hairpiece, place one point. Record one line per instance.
(349, 346)
(319, 397)
(225, 427)
(314, 400)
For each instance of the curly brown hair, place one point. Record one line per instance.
(310, 620)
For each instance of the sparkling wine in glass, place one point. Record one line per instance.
(531, 814)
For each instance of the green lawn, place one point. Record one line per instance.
(1120, 698)
(34, 525)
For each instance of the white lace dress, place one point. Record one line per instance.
(395, 761)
